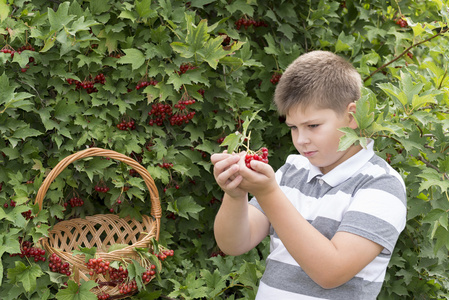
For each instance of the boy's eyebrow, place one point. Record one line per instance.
(303, 123)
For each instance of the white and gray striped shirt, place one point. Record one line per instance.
(363, 196)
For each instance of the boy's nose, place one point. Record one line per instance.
(302, 139)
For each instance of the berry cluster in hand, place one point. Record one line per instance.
(261, 155)
(27, 250)
(247, 22)
(76, 202)
(57, 265)
(185, 67)
(145, 83)
(101, 189)
(275, 78)
(401, 22)
(88, 84)
(124, 125)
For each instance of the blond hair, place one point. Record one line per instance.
(320, 79)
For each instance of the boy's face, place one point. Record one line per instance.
(316, 136)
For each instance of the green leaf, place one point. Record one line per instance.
(212, 52)
(4, 10)
(431, 178)
(60, 18)
(186, 206)
(75, 292)
(134, 57)
(350, 138)
(144, 10)
(26, 275)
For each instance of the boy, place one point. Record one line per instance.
(333, 216)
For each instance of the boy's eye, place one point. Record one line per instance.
(313, 125)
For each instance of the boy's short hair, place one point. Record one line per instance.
(321, 79)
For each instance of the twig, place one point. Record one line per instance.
(404, 52)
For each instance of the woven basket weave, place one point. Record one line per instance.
(102, 230)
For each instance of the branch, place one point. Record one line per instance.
(404, 52)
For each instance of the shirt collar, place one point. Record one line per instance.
(344, 170)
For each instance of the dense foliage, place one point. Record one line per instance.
(164, 82)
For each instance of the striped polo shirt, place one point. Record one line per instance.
(363, 196)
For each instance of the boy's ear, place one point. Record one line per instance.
(351, 112)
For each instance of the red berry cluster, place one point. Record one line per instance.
(145, 83)
(217, 253)
(275, 78)
(226, 40)
(166, 165)
(261, 155)
(182, 116)
(27, 249)
(164, 253)
(249, 22)
(101, 189)
(118, 274)
(401, 22)
(57, 265)
(27, 215)
(184, 68)
(12, 203)
(104, 296)
(76, 202)
(88, 84)
(409, 54)
(160, 112)
(124, 125)
(23, 48)
(98, 266)
(128, 287)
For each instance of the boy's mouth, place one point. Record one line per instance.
(308, 153)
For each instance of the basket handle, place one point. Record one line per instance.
(156, 210)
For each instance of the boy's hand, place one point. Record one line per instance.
(226, 173)
(259, 180)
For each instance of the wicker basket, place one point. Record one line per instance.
(100, 230)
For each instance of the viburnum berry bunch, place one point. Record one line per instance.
(185, 67)
(101, 188)
(76, 202)
(236, 140)
(145, 83)
(125, 125)
(260, 155)
(28, 215)
(247, 22)
(88, 84)
(401, 22)
(275, 78)
(27, 250)
(57, 265)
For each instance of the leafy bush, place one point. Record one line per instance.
(164, 82)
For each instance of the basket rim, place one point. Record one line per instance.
(156, 210)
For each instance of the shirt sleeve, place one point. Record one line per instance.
(377, 211)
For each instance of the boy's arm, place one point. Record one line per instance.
(329, 263)
(238, 226)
